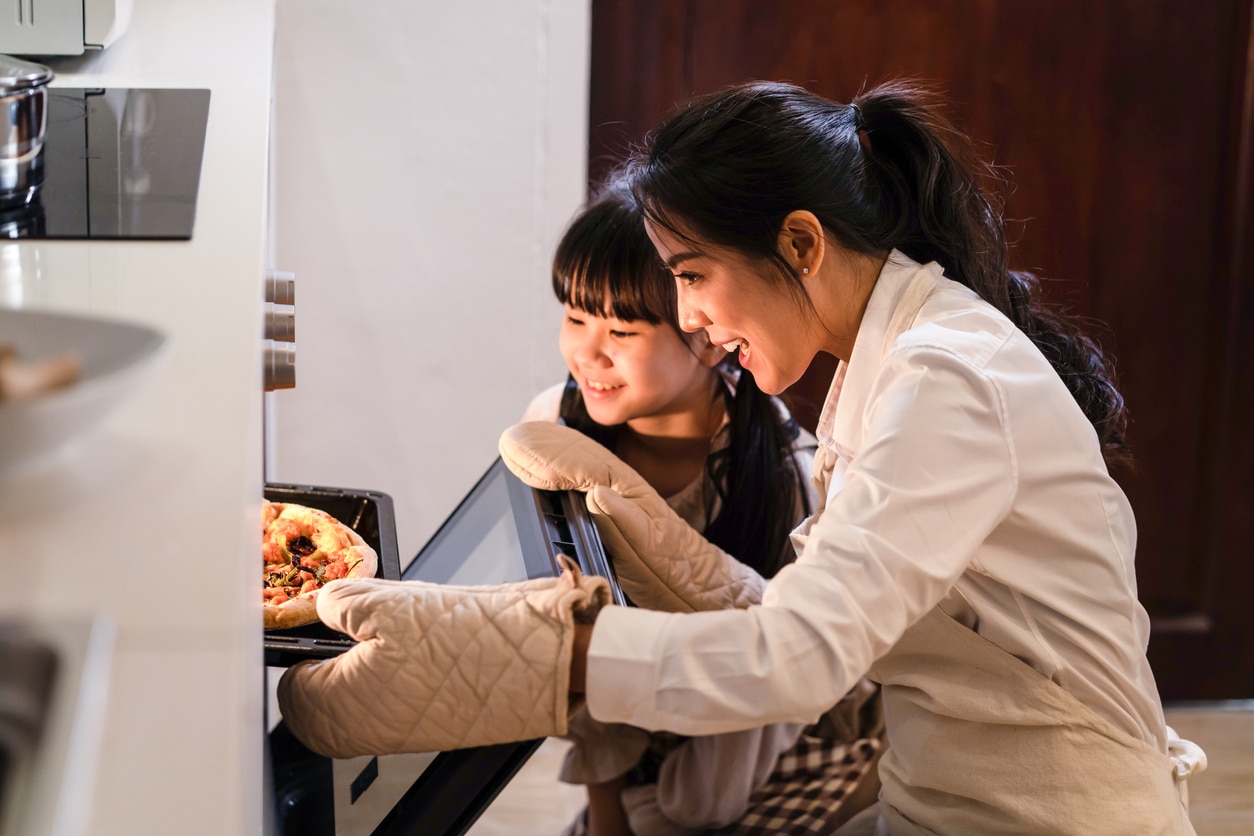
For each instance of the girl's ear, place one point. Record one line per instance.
(801, 242)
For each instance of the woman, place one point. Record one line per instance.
(731, 462)
(972, 554)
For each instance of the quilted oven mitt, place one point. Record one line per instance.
(662, 563)
(439, 666)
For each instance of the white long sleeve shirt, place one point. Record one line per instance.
(961, 470)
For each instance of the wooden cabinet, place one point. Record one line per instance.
(1127, 128)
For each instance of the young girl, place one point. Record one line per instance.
(733, 464)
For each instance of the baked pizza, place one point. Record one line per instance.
(302, 549)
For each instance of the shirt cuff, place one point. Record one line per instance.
(623, 671)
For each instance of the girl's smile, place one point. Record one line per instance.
(597, 389)
(637, 373)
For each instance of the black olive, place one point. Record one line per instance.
(302, 546)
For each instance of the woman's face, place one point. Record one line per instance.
(635, 372)
(740, 309)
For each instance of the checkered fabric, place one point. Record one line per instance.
(809, 783)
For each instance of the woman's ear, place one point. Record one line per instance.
(801, 242)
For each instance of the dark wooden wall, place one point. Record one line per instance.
(1126, 127)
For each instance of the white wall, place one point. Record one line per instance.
(426, 158)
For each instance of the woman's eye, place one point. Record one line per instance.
(687, 278)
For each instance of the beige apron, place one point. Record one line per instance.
(980, 742)
(1020, 754)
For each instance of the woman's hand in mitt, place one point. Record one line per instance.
(441, 667)
(662, 563)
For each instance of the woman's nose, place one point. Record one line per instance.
(691, 318)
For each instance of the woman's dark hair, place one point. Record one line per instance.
(606, 266)
(886, 172)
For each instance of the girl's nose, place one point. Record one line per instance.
(590, 352)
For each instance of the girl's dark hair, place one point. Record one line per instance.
(606, 266)
(888, 171)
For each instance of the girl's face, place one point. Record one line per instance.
(730, 298)
(635, 372)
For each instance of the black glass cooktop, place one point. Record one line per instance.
(119, 163)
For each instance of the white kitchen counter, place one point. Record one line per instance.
(150, 524)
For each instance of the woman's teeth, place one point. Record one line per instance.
(740, 345)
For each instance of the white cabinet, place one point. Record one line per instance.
(150, 524)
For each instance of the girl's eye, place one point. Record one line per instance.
(573, 321)
(687, 278)
(622, 333)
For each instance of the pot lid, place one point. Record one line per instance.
(16, 74)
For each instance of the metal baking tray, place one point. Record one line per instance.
(370, 514)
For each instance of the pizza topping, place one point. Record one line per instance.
(302, 546)
(282, 575)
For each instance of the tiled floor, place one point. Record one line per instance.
(1221, 799)
(535, 802)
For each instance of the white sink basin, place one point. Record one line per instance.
(51, 677)
(27, 676)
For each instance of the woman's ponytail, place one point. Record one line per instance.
(944, 205)
(886, 172)
(1085, 369)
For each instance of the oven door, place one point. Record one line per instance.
(502, 531)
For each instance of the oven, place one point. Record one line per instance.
(502, 531)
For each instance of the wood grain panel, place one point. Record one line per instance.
(1120, 123)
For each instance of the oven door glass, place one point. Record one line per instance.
(496, 535)
(503, 531)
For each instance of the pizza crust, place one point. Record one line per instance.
(361, 558)
(294, 613)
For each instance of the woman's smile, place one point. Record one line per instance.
(739, 345)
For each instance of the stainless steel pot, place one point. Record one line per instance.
(23, 125)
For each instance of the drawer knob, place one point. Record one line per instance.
(279, 365)
(281, 287)
(280, 323)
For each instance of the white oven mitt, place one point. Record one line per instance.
(662, 563)
(439, 666)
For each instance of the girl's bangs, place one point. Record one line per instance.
(600, 293)
(611, 275)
